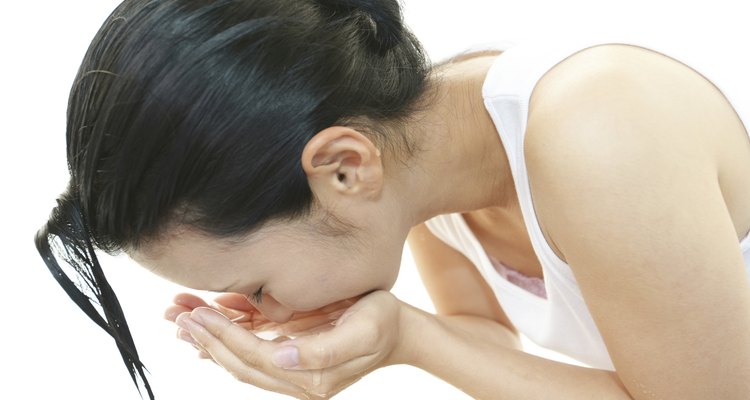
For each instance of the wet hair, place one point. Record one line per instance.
(195, 113)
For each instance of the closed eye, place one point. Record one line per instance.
(257, 297)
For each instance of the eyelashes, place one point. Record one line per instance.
(257, 297)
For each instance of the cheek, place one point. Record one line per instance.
(318, 281)
(319, 290)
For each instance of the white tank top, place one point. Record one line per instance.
(562, 322)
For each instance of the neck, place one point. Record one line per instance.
(461, 165)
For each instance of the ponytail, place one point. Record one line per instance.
(90, 291)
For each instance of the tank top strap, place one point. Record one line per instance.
(507, 92)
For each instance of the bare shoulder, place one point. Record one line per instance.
(616, 80)
(623, 151)
(602, 109)
(607, 64)
(627, 105)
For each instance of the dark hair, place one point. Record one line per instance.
(196, 112)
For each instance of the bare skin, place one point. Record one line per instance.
(463, 168)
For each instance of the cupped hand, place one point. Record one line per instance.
(317, 363)
(238, 309)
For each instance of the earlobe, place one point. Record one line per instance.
(341, 160)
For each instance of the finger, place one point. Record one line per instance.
(295, 327)
(203, 354)
(306, 325)
(234, 315)
(255, 327)
(236, 366)
(212, 329)
(239, 310)
(184, 335)
(172, 312)
(189, 300)
(234, 301)
(183, 302)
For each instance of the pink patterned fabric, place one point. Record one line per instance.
(531, 284)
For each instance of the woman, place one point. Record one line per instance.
(284, 152)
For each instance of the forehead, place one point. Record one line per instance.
(185, 239)
(194, 259)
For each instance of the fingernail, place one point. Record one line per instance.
(171, 314)
(286, 357)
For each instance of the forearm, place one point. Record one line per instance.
(482, 358)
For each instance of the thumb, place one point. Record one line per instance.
(353, 336)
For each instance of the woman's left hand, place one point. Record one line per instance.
(366, 337)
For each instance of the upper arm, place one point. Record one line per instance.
(635, 206)
(452, 281)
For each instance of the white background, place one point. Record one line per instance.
(51, 349)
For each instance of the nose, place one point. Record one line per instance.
(273, 310)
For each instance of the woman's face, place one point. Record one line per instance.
(297, 269)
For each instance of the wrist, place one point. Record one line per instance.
(412, 323)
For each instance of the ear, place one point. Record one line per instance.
(341, 161)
